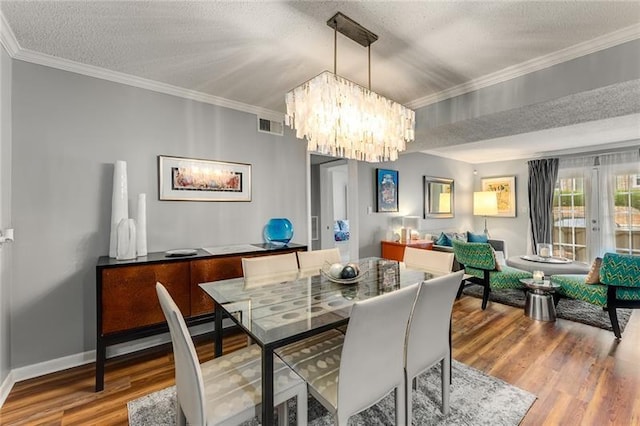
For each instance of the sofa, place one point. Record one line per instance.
(500, 246)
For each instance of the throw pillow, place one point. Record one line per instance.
(443, 240)
(477, 238)
(593, 277)
(495, 258)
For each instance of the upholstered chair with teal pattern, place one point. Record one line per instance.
(479, 261)
(619, 286)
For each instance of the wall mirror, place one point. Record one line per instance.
(438, 197)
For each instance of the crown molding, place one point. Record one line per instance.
(12, 46)
(143, 83)
(604, 42)
(9, 41)
(7, 37)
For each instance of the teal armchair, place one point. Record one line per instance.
(479, 261)
(619, 286)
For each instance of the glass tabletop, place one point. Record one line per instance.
(281, 306)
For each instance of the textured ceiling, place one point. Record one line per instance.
(254, 52)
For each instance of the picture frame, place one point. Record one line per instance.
(386, 191)
(505, 186)
(192, 179)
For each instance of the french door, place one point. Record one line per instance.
(594, 212)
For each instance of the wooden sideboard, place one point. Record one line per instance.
(127, 305)
(394, 250)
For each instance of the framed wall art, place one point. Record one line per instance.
(190, 179)
(505, 186)
(386, 190)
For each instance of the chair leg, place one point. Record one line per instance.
(613, 316)
(410, 385)
(459, 294)
(401, 406)
(181, 419)
(446, 381)
(302, 413)
(485, 296)
(283, 414)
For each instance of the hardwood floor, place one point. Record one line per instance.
(580, 374)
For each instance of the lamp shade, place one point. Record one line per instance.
(410, 222)
(485, 203)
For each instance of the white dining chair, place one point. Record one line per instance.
(428, 331)
(316, 259)
(225, 390)
(269, 265)
(430, 260)
(351, 372)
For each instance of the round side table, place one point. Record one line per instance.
(539, 302)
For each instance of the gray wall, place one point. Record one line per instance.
(514, 230)
(412, 167)
(5, 212)
(68, 130)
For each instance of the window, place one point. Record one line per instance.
(627, 214)
(569, 221)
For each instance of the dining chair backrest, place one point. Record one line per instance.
(189, 383)
(431, 260)
(427, 337)
(269, 265)
(373, 352)
(317, 258)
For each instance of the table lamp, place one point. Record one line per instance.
(485, 204)
(409, 223)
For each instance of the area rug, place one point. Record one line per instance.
(569, 309)
(476, 399)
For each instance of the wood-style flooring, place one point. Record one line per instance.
(580, 374)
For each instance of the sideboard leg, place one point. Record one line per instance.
(101, 355)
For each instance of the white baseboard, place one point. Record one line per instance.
(6, 387)
(51, 366)
(75, 360)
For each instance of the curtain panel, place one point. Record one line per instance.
(542, 181)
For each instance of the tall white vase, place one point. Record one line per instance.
(119, 203)
(126, 240)
(141, 225)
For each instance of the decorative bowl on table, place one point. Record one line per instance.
(349, 273)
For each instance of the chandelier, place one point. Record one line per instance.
(343, 119)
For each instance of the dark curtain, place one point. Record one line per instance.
(542, 180)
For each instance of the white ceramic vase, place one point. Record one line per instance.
(126, 240)
(119, 203)
(141, 225)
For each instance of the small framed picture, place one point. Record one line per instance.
(190, 179)
(505, 186)
(386, 190)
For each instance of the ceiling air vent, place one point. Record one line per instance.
(270, 126)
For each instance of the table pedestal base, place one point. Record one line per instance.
(540, 306)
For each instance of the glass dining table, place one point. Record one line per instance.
(280, 309)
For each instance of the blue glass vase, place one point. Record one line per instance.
(278, 231)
